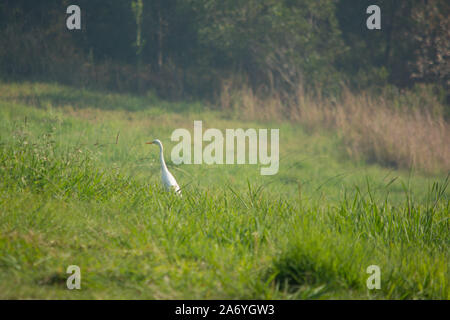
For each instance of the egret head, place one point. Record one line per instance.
(157, 142)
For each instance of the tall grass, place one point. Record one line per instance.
(407, 131)
(62, 206)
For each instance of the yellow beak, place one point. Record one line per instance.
(149, 143)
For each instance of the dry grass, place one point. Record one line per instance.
(400, 137)
(377, 130)
(249, 105)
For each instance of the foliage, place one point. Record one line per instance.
(193, 46)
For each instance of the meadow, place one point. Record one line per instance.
(79, 186)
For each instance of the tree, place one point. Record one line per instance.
(276, 43)
(137, 7)
(432, 37)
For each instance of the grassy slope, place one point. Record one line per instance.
(70, 195)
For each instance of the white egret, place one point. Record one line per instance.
(167, 178)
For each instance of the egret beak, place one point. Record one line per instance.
(149, 143)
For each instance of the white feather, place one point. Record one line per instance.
(168, 179)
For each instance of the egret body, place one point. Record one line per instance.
(170, 184)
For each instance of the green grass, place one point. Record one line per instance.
(72, 193)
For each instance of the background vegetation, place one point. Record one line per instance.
(187, 48)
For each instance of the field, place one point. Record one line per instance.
(79, 186)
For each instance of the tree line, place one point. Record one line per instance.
(188, 48)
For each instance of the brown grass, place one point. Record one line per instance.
(246, 104)
(400, 137)
(379, 130)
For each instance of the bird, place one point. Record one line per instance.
(168, 179)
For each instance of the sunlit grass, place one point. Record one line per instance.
(80, 187)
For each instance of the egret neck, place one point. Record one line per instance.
(161, 157)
